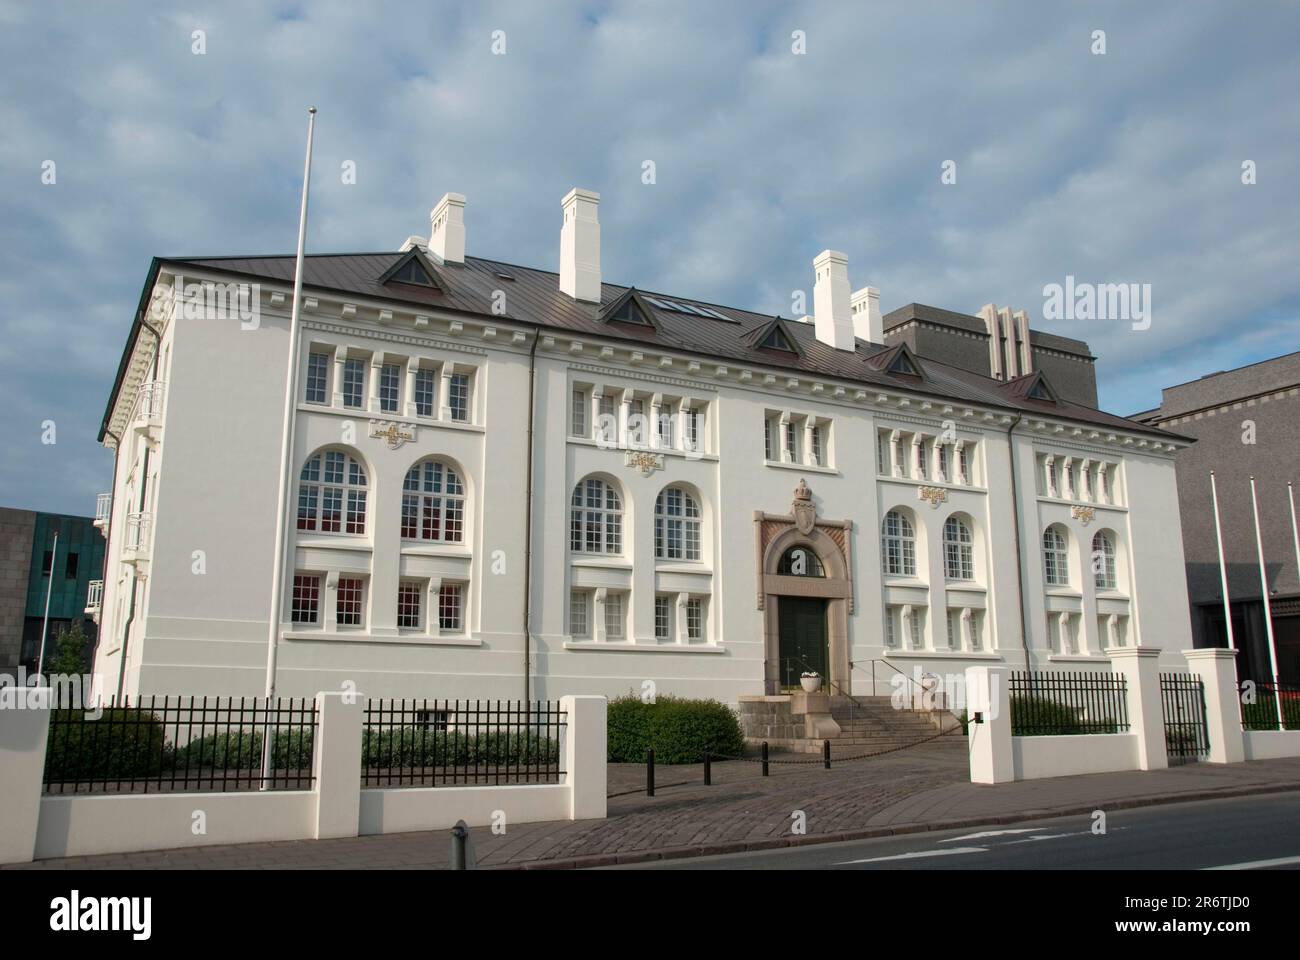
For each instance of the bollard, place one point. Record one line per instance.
(650, 772)
(462, 857)
(708, 768)
(826, 754)
(765, 758)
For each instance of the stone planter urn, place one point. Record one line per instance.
(810, 684)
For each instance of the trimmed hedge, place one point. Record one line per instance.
(679, 730)
(242, 750)
(419, 747)
(122, 743)
(1042, 716)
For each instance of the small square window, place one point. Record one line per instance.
(449, 608)
(663, 617)
(409, 594)
(351, 596)
(578, 626)
(306, 598)
(613, 616)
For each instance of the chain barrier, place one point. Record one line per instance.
(824, 760)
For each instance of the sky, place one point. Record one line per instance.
(776, 130)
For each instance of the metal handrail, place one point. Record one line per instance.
(873, 662)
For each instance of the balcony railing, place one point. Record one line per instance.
(94, 598)
(139, 529)
(147, 415)
(103, 509)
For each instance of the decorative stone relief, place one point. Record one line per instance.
(644, 461)
(935, 495)
(393, 434)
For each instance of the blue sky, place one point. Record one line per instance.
(1123, 167)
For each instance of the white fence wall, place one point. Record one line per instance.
(34, 825)
(998, 757)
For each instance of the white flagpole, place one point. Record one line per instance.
(1295, 534)
(1268, 608)
(1223, 566)
(286, 451)
(45, 624)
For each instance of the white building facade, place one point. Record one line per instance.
(508, 483)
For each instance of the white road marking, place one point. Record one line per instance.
(1258, 864)
(918, 854)
(991, 833)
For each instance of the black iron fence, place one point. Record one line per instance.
(1055, 703)
(1182, 701)
(1260, 701)
(436, 743)
(163, 743)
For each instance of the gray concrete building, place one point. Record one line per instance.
(1246, 423)
(16, 530)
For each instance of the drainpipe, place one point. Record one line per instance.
(528, 518)
(1015, 535)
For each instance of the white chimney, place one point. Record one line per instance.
(831, 314)
(447, 229)
(867, 324)
(580, 246)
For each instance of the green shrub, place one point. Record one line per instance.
(123, 743)
(1042, 716)
(679, 730)
(242, 750)
(415, 746)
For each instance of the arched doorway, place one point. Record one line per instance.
(806, 594)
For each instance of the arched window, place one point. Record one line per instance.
(332, 494)
(433, 503)
(800, 562)
(596, 518)
(677, 525)
(1103, 561)
(1056, 557)
(898, 545)
(958, 554)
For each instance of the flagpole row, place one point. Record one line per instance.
(1268, 607)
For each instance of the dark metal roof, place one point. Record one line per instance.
(533, 297)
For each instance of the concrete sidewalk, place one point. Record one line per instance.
(922, 788)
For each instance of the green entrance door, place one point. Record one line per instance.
(803, 639)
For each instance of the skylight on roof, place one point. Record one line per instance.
(690, 308)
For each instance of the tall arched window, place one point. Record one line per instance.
(1056, 557)
(677, 525)
(433, 503)
(958, 553)
(332, 494)
(1103, 560)
(898, 545)
(595, 518)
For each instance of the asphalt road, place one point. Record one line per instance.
(1261, 832)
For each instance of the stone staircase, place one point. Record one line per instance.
(866, 724)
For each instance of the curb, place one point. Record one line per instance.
(774, 843)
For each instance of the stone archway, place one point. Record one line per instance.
(829, 542)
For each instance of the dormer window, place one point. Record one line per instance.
(777, 339)
(629, 312)
(904, 364)
(412, 272)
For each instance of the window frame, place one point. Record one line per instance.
(425, 510)
(600, 524)
(904, 539)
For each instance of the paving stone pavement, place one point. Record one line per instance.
(919, 788)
